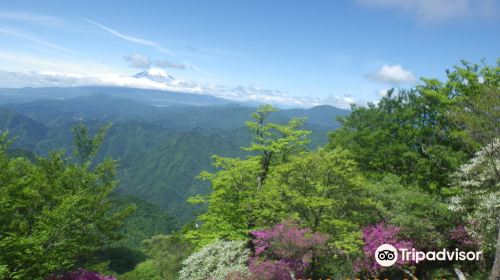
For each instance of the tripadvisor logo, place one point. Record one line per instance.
(388, 255)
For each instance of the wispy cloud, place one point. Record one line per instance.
(26, 16)
(35, 40)
(170, 64)
(24, 61)
(138, 61)
(430, 11)
(392, 74)
(131, 39)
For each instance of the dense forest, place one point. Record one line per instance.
(81, 198)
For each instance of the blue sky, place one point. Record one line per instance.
(297, 53)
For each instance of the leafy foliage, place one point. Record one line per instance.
(324, 190)
(160, 150)
(239, 201)
(81, 274)
(478, 184)
(55, 212)
(167, 254)
(145, 222)
(409, 132)
(216, 261)
(417, 169)
(418, 214)
(374, 236)
(423, 136)
(274, 142)
(284, 251)
(144, 270)
(477, 117)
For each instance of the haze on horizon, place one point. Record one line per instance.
(293, 53)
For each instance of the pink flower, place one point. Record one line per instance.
(80, 274)
(283, 250)
(374, 236)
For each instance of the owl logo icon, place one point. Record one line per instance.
(386, 255)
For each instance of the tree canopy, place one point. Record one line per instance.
(55, 211)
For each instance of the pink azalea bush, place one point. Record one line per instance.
(460, 235)
(373, 237)
(80, 274)
(283, 250)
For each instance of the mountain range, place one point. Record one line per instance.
(162, 140)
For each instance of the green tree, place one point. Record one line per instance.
(421, 216)
(478, 117)
(167, 253)
(478, 182)
(86, 147)
(230, 204)
(325, 191)
(55, 212)
(320, 186)
(478, 200)
(409, 133)
(403, 134)
(144, 270)
(274, 142)
(239, 202)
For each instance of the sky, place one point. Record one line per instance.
(284, 52)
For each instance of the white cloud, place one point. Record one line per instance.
(143, 62)
(260, 95)
(129, 38)
(138, 61)
(440, 10)
(393, 74)
(51, 78)
(41, 20)
(237, 93)
(26, 16)
(169, 64)
(382, 92)
(40, 42)
(22, 62)
(343, 101)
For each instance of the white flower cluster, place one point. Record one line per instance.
(216, 261)
(481, 168)
(479, 197)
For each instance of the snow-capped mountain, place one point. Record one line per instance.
(155, 74)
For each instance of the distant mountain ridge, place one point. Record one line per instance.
(153, 97)
(111, 107)
(24, 128)
(147, 96)
(160, 150)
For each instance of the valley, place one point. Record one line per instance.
(160, 149)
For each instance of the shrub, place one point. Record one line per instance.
(284, 251)
(216, 261)
(80, 274)
(374, 236)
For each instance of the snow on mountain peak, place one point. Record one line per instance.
(155, 74)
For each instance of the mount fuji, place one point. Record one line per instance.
(156, 75)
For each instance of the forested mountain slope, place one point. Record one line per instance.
(160, 150)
